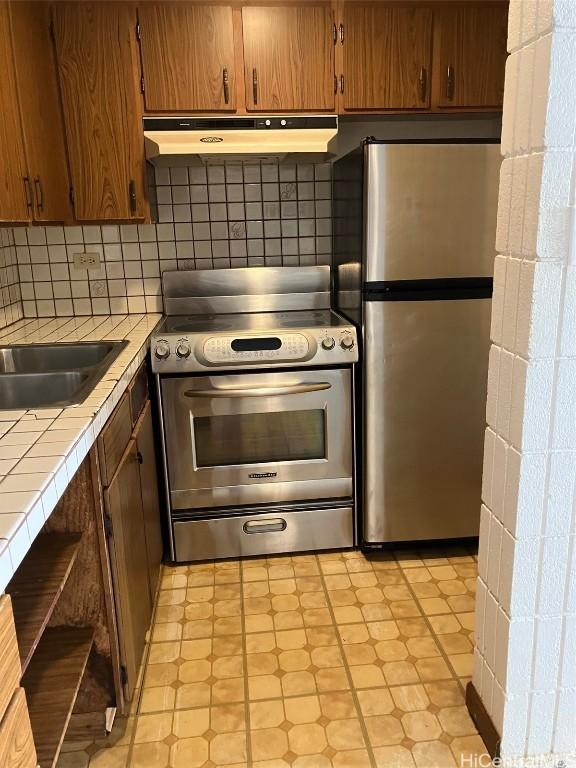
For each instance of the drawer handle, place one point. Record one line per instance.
(273, 525)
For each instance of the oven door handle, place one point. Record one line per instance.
(293, 389)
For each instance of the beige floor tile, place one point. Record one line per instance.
(351, 758)
(170, 630)
(263, 687)
(393, 757)
(192, 695)
(267, 714)
(298, 683)
(153, 727)
(433, 754)
(307, 739)
(384, 730)
(231, 689)
(191, 722)
(376, 702)
(410, 698)
(462, 663)
(456, 721)
(334, 679)
(228, 749)
(156, 755)
(269, 743)
(367, 676)
(189, 753)
(345, 734)
(158, 699)
(421, 726)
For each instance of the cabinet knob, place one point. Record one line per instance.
(226, 85)
(28, 191)
(449, 82)
(255, 85)
(132, 196)
(423, 83)
(39, 193)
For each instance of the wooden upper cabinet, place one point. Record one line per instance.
(471, 55)
(42, 122)
(288, 58)
(387, 52)
(187, 57)
(15, 186)
(98, 67)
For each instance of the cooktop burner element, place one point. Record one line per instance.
(255, 318)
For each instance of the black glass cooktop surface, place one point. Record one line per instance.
(251, 321)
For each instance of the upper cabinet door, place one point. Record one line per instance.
(187, 57)
(15, 186)
(471, 55)
(288, 58)
(387, 55)
(42, 121)
(98, 68)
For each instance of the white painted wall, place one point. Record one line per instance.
(525, 662)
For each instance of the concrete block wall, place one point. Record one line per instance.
(10, 299)
(525, 659)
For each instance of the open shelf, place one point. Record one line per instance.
(37, 585)
(51, 683)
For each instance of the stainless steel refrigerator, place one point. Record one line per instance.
(414, 230)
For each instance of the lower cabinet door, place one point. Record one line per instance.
(16, 740)
(144, 435)
(128, 554)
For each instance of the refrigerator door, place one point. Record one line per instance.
(425, 374)
(430, 210)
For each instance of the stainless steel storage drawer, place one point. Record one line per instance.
(265, 533)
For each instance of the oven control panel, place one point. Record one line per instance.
(228, 349)
(315, 346)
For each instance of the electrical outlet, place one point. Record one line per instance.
(87, 260)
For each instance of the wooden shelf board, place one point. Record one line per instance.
(37, 585)
(51, 684)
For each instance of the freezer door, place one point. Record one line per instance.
(430, 210)
(426, 366)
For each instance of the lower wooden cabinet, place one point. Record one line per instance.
(128, 473)
(16, 740)
(144, 435)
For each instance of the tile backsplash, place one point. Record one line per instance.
(210, 217)
(10, 300)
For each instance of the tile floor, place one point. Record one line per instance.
(308, 661)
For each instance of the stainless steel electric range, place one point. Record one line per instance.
(254, 374)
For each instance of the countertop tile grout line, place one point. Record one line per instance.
(346, 666)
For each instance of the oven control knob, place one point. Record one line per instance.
(162, 350)
(347, 342)
(328, 343)
(183, 349)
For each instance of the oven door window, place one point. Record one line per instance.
(259, 438)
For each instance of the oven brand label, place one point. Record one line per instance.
(259, 475)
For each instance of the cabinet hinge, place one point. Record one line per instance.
(108, 527)
(71, 195)
(138, 32)
(139, 457)
(341, 29)
(142, 84)
(334, 33)
(123, 674)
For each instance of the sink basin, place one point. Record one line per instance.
(41, 390)
(34, 358)
(53, 375)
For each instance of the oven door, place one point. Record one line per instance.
(258, 438)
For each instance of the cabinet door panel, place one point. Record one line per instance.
(387, 54)
(97, 64)
(13, 197)
(472, 55)
(144, 436)
(288, 58)
(42, 120)
(187, 57)
(129, 563)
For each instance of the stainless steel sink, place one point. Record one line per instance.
(35, 358)
(53, 375)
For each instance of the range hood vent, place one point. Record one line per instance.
(185, 140)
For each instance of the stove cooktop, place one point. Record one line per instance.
(251, 321)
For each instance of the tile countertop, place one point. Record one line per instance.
(41, 449)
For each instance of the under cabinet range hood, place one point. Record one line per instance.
(185, 140)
